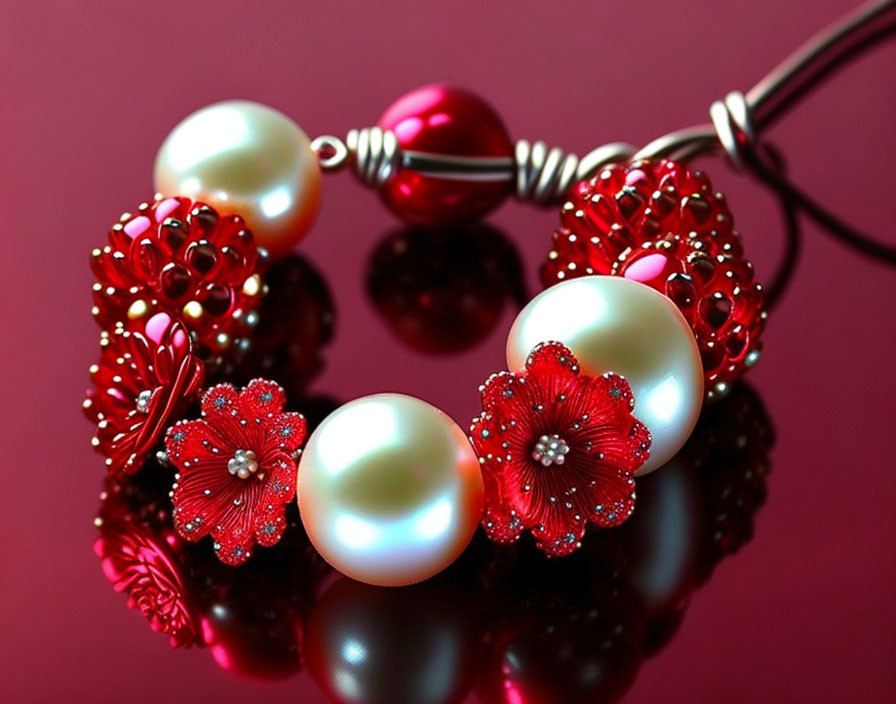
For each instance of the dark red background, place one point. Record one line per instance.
(89, 89)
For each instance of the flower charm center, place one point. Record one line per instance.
(243, 464)
(550, 449)
(143, 399)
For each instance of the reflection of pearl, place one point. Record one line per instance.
(364, 644)
(389, 489)
(614, 324)
(246, 159)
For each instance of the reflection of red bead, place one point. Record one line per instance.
(443, 290)
(445, 120)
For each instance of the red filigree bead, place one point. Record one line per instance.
(237, 468)
(141, 557)
(184, 259)
(662, 224)
(141, 385)
(558, 450)
(449, 121)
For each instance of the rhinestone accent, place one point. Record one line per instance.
(550, 449)
(143, 399)
(243, 464)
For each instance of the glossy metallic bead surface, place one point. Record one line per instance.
(616, 325)
(446, 121)
(389, 489)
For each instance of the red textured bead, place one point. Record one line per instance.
(445, 120)
(181, 258)
(662, 224)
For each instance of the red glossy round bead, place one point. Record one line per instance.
(450, 121)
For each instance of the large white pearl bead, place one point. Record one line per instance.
(615, 324)
(246, 159)
(389, 489)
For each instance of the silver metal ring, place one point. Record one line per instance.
(339, 155)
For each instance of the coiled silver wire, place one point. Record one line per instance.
(731, 129)
(540, 174)
(544, 175)
(377, 155)
(374, 152)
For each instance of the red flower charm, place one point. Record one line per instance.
(558, 450)
(184, 259)
(237, 468)
(140, 387)
(662, 224)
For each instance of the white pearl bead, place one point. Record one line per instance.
(614, 324)
(246, 159)
(389, 490)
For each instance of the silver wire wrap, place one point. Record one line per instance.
(734, 126)
(544, 175)
(374, 152)
(541, 175)
(731, 128)
(737, 120)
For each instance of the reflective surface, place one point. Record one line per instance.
(437, 298)
(802, 612)
(505, 623)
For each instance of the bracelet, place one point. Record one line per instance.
(650, 306)
(501, 619)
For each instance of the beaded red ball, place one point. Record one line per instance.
(448, 121)
(181, 258)
(662, 224)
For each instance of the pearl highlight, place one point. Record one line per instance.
(389, 490)
(246, 159)
(613, 324)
